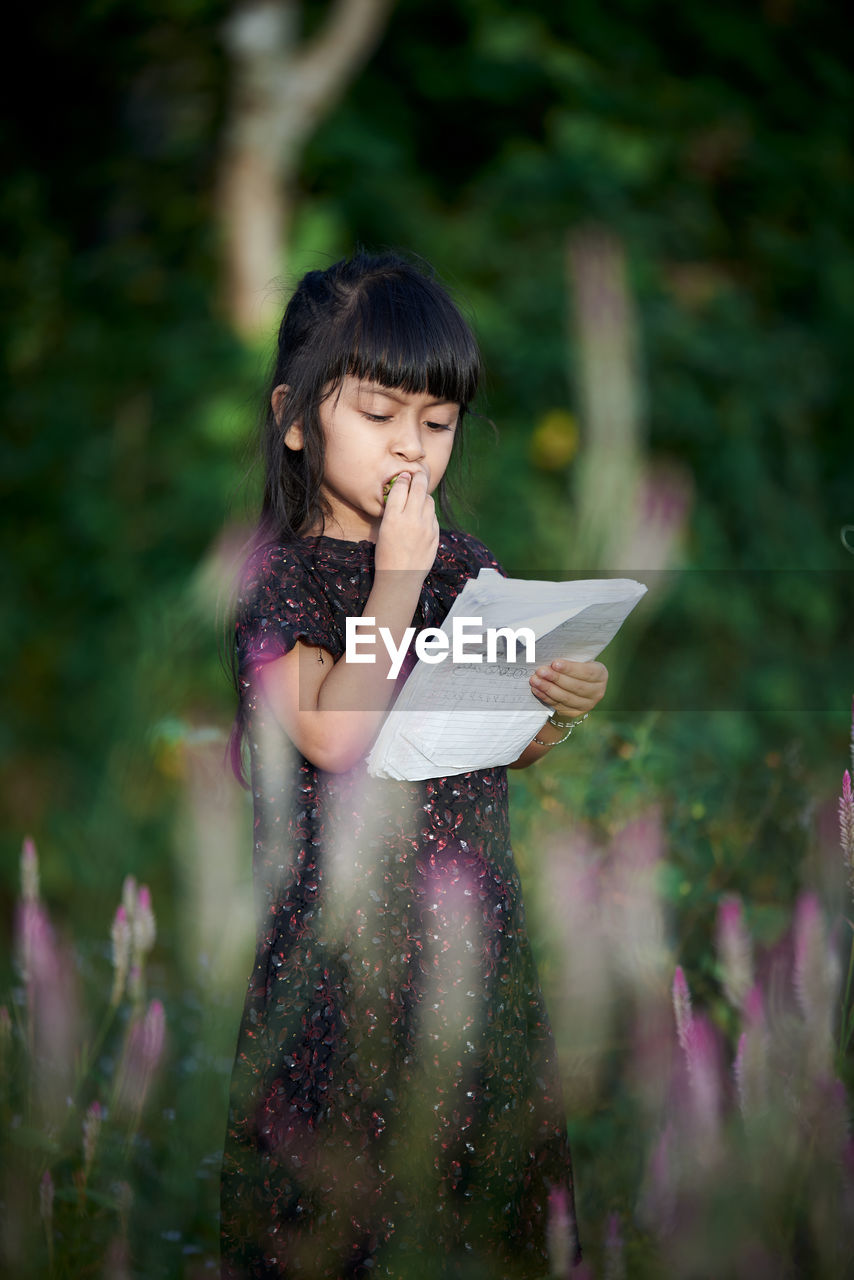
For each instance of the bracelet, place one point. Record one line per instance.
(558, 723)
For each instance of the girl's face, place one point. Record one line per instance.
(372, 433)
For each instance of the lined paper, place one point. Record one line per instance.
(452, 717)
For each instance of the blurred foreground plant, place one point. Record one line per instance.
(846, 839)
(752, 1170)
(71, 1102)
(712, 1131)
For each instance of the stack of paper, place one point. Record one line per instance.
(452, 717)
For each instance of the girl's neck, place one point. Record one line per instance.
(344, 531)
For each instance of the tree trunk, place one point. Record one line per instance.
(608, 391)
(630, 514)
(281, 90)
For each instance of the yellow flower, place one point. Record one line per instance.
(555, 440)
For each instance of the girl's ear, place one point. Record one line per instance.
(294, 437)
(294, 434)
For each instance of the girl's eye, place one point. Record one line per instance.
(376, 417)
(440, 426)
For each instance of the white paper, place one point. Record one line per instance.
(452, 717)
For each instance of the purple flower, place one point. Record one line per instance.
(615, 1262)
(29, 871)
(143, 923)
(133, 934)
(816, 981)
(48, 973)
(681, 1006)
(120, 936)
(658, 1198)
(560, 1232)
(846, 827)
(735, 951)
(632, 904)
(704, 1076)
(751, 1061)
(153, 1034)
(828, 1120)
(34, 940)
(91, 1129)
(129, 895)
(754, 1006)
(141, 1056)
(664, 500)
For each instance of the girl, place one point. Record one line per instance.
(395, 1108)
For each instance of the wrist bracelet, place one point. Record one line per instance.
(558, 723)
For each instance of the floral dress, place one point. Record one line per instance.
(395, 1103)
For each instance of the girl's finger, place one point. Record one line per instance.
(574, 695)
(559, 686)
(399, 491)
(589, 671)
(418, 485)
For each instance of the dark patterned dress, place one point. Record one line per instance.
(395, 1103)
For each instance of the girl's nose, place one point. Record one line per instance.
(408, 443)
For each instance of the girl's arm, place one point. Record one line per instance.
(568, 689)
(332, 710)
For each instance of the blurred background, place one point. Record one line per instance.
(645, 209)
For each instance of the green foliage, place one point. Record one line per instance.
(714, 143)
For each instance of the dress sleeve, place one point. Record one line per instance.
(281, 601)
(482, 557)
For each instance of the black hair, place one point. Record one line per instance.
(374, 317)
(377, 317)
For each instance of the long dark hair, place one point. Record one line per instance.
(376, 317)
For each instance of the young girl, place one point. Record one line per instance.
(396, 1108)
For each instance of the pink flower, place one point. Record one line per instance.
(34, 940)
(91, 1129)
(664, 499)
(829, 1120)
(141, 1057)
(701, 1052)
(560, 1232)
(153, 1034)
(48, 973)
(754, 1006)
(816, 980)
(133, 933)
(846, 827)
(681, 1006)
(129, 895)
(751, 1061)
(639, 844)
(658, 1198)
(735, 950)
(120, 936)
(615, 1262)
(632, 908)
(143, 923)
(29, 871)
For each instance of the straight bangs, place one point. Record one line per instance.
(407, 334)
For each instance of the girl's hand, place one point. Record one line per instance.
(570, 688)
(409, 531)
